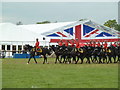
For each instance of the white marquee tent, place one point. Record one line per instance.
(19, 35)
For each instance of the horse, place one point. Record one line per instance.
(111, 52)
(41, 51)
(102, 55)
(95, 51)
(81, 54)
(57, 50)
(118, 53)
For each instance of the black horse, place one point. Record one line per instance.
(57, 50)
(82, 53)
(111, 53)
(118, 53)
(42, 51)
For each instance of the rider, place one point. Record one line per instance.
(37, 44)
(93, 44)
(98, 44)
(72, 43)
(66, 43)
(60, 43)
(105, 45)
(77, 43)
(114, 44)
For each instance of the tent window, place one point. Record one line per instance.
(8, 47)
(3, 47)
(19, 48)
(14, 47)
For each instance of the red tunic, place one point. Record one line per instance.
(77, 44)
(37, 45)
(114, 45)
(72, 44)
(105, 45)
(98, 45)
(93, 45)
(60, 43)
(66, 43)
(118, 44)
(89, 44)
(81, 45)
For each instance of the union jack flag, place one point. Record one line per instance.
(82, 32)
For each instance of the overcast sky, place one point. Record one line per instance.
(32, 12)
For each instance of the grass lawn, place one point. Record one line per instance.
(18, 74)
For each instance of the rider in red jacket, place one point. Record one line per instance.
(37, 44)
(66, 43)
(77, 43)
(105, 45)
(60, 43)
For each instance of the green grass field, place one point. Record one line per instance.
(18, 74)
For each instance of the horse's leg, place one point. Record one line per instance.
(35, 59)
(29, 59)
(109, 59)
(57, 57)
(106, 58)
(118, 58)
(44, 59)
(64, 59)
(81, 60)
(92, 59)
(76, 61)
(88, 59)
(114, 57)
(96, 60)
(100, 58)
(103, 60)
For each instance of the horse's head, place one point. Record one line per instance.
(27, 47)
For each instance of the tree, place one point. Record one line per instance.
(82, 19)
(111, 23)
(19, 23)
(117, 27)
(44, 22)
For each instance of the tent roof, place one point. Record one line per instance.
(11, 32)
(86, 22)
(41, 28)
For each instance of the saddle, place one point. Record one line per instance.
(39, 50)
(109, 50)
(80, 50)
(33, 49)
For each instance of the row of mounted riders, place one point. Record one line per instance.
(73, 55)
